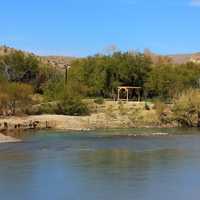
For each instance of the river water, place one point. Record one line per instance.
(102, 165)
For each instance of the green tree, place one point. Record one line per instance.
(167, 80)
(101, 74)
(18, 66)
(14, 96)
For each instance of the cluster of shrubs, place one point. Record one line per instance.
(71, 106)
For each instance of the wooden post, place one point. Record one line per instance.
(66, 75)
(118, 91)
(67, 67)
(127, 94)
(139, 95)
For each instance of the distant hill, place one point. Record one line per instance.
(176, 58)
(184, 58)
(56, 61)
(7, 50)
(61, 61)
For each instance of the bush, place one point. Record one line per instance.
(72, 106)
(159, 107)
(187, 107)
(46, 108)
(163, 112)
(14, 97)
(99, 101)
(146, 106)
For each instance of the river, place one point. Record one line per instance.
(102, 165)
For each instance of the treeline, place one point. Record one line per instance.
(24, 68)
(28, 85)
(100, 75)
(23, 77)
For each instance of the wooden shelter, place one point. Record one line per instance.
(127, 90)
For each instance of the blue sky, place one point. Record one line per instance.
(86, 27)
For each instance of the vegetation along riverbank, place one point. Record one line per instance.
(82, 93)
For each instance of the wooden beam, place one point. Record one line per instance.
(118, 97)
(127, 94)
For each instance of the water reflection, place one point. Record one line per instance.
(68, 166)
(122, 158)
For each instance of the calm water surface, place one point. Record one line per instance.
(102, 166)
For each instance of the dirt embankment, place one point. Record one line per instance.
(108, 115)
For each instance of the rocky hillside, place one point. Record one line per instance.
(59, 62)
(183, 58)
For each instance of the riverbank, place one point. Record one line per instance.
(110, 115)
(76, 123)
(8, 139)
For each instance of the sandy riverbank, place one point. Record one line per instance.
(110, 115)
(8, 139)
(77, 123)
(100, 120)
